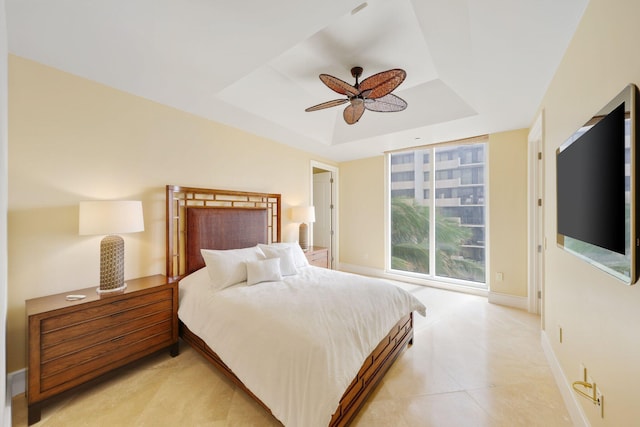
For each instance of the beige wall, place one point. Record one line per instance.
(508, 212)
(362, 212)
(71, 139)
(600, 316)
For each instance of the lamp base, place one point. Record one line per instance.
(303, 236)
(111, 263)
(111, 291)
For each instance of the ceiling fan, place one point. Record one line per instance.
(374, 93)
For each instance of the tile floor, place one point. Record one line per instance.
(472, 364)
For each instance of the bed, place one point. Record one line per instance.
(323, 337)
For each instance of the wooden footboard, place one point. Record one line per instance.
(372, 371)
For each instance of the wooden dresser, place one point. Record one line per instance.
(72, 342)
(318, 256)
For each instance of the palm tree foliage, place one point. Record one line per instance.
(409, 236)
(410, 242)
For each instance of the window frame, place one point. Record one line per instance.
(432, 278)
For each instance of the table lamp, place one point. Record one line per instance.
(303, 215)
(111, 217)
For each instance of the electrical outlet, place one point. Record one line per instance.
(599, 400)
(597, 394)
(591, 390)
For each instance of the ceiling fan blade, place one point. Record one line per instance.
(385, 104)
(337, 85)
(327, 104)
(383, 83)
(354, 111)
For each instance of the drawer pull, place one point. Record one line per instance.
(119, 303)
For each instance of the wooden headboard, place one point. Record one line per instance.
(199, 218)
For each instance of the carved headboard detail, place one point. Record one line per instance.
(216, 219)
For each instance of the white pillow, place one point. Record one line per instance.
(228, 267)
(266, 270)
(287, 261)
(298, 255)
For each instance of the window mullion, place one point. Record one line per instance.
(432, 212)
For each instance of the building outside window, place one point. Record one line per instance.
(445, 216)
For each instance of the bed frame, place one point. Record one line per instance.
(220, 219)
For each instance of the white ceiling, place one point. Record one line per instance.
(473, 66)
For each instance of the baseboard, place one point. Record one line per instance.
(509, 300)
(358, 269)
(521, 303)
(578, 416)
(7, 406)
(17, 382)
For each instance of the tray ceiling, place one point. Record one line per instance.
(473, 67)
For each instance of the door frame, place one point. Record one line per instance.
(537, 243)
(334, 250)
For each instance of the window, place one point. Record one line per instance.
(402, 176)
(451, 225)
(404, 194)
(402, 159)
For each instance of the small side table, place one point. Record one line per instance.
(318, 256)
(72, 342)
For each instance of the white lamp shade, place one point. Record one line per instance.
(110, 217)
(303, 214)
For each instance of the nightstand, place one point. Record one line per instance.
(72, 342)
(318, 256)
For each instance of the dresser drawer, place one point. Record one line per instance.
(102, 310)
(57, 344)
(91, 359)
(113, 321)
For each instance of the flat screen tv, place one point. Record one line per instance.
(596, 189)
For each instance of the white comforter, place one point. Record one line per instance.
(297, 343)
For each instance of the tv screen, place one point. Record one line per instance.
(596, 189)
(591, 185)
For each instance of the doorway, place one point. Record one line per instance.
(324, 231)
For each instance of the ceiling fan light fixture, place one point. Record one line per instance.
(374, 93)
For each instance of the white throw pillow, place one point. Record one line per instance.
(228, 267)
(298, 255)
(266, 270)
(285, 253)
